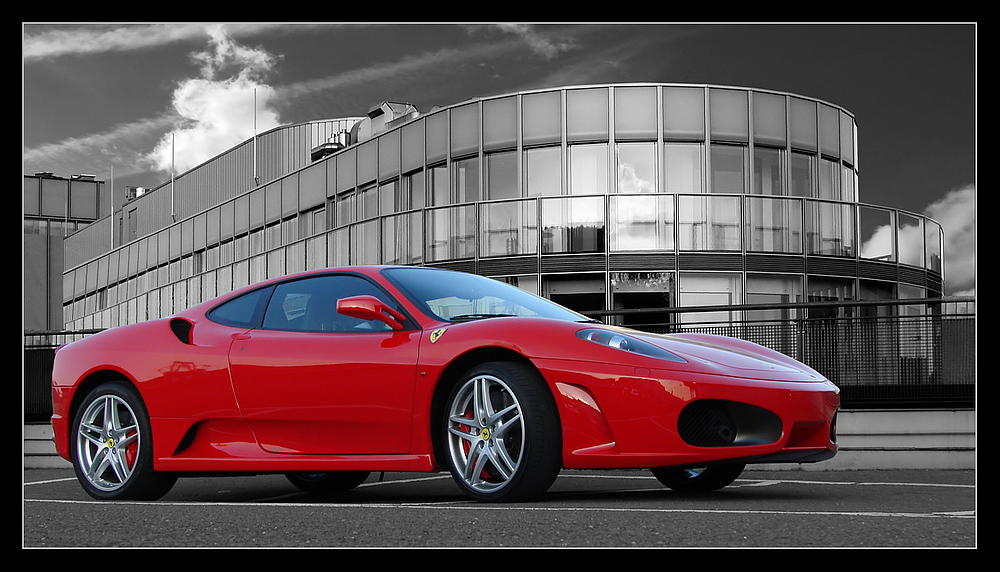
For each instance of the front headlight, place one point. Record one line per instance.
(626, 343)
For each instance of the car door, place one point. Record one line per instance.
(312, 381)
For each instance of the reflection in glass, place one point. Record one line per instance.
(414, 193)
(728, 168)
(830, 229)
(364, 238)
(682, 165)
(641, 222)
(774, 225)
(437, 182)
(501, 175)
(911, 240)
(636, 167)
(451, 233)
(543, 171)
(508, 228)
(768, 171)
(466, 176)
(709, 223)
(709, 289)
(402, 239)
(641, 291)
(878, 246)
(829, 180)
(803, 168)
(588, 169)
(932, 233)
(573, 225)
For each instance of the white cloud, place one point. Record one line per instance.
(956, 212)
(217, 109)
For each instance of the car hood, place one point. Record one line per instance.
(731, 356)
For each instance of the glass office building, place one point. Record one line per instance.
(599, 197)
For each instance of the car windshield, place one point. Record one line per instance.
(457, 296)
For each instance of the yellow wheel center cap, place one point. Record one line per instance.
(111, 443)
(485, 434)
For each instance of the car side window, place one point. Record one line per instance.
(310, 305)
(241, 312)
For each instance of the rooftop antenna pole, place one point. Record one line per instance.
(256, 177)
(173, 214)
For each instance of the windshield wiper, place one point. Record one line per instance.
(470, 317)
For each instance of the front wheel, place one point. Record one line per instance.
(113, 451)
(502, 433)
(327, 483)
(699, 480)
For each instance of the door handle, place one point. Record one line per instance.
(239, 337)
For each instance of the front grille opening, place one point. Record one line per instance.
(721, 423)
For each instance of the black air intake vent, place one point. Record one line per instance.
(181, 329)
(718, 423)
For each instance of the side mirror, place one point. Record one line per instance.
(370, 308)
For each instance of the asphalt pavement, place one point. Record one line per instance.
(583, 509)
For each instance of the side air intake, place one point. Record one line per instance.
(720, 423)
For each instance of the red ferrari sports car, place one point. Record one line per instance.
(328, 375)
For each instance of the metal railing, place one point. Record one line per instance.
(888, 354)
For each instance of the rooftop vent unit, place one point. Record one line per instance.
(331, 146)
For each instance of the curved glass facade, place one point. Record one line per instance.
(598, 197)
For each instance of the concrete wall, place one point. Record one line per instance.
(869, 439)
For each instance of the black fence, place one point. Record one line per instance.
(886, 354)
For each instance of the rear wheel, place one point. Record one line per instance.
(327, 483)
(699, 480)
(113, 451)
(502, 433)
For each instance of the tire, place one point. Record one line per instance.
(699, 480)
(112, 452)
(502, 433)
(327, 483)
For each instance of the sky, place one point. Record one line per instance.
(112, 97)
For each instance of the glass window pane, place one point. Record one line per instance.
(682, 166)
(877, 230)
(588, 169)
(709, 223)
(437, 181)
(729, 116)
(367, 162)
(465, 130)
(684, 113)
(499, 123)
(641, 223)
(910, 240)
(388, 155)
(709, 289)
(508, 228)
(501, 175)
(774, 225)
(728, 168)
(572, 224)
(768, 171)
(587, 114)
(932, 233)
(451, 233)
(402, 239)
(830, 229)
(466, 176)
(636, 167)
(635, 113)
(412, 146)
(803, 175)
(802, 124)
(642, 290)
(541, 118)
(543, 171)
(769, 119)
(83, 199)
(829, 131)
(437, 136)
